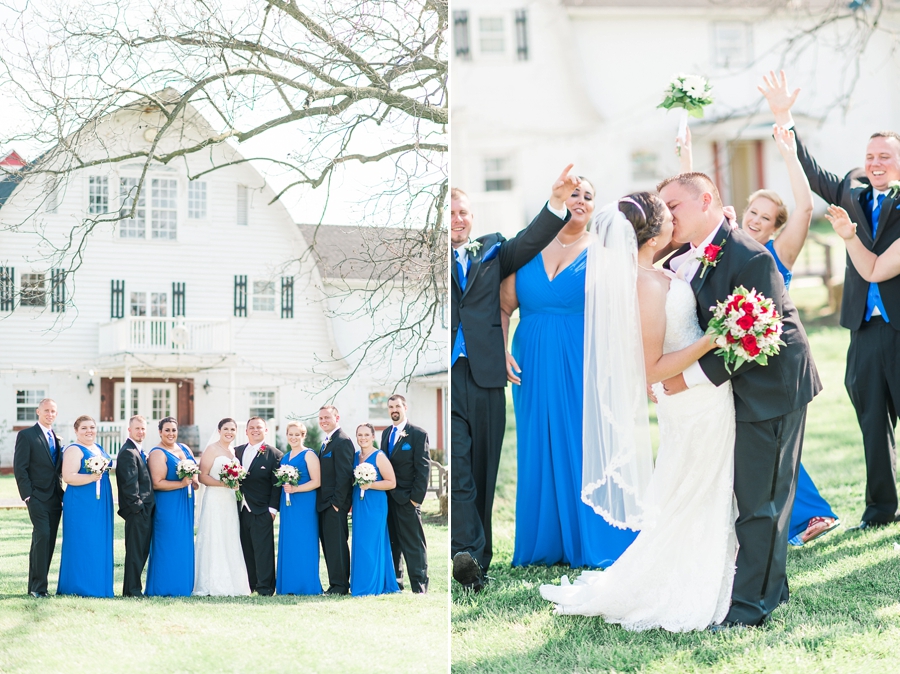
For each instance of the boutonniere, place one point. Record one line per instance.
(262, 448)
(710, 256)
(472, 247)
(894, 188)
(401, 434)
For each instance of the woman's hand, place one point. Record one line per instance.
(784, 139)
(840, 221)
(730, 216)
(779, 97)
(512, 369)
(563, 188)
(96, 477)
(187, 481)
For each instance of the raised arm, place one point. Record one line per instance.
(793, 234)
(509, 302)
(873, 268)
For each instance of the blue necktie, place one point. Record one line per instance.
(52, 447)
(459, 346)
(873, 297)
(391, 441)
(461, 270)
(322, 451)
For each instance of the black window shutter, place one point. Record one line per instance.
(178, 306)
(461, 34)
(240, 295)
(7, 288)
(58, 290)
(521, 35)
(287, 296)
(117, 300)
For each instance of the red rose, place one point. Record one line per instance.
(769, 331)
(729, 338)
(711, 252)
(745, 322)
(735, 304)
(750, 346)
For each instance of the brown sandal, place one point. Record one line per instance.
(819, 526)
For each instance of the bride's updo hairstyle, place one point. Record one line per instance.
(646, 212)
(225, 421)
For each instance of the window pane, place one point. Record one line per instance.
(134, 404)
(378, 405)
(262, 404)
(158, 304)
(136, 227)
(197, 200)
(98, 195)
(263, 296)
(162, 403)
(138, 304)
(491, 34)
(163, 208)
(34, 292)
(26, 403)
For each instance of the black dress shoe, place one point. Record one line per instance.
(726, 626)
(467, 571)
(39, 595)
(337, 591)
(869, 525)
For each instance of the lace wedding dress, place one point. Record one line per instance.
(678, 573)
(219, 569)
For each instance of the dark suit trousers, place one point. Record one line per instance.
(334, 533)
(477, 423)
(766, 459)
(138, 532)
(45, 516)
(408, 536)
(258, 544)
(873, 383)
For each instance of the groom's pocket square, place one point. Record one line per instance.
(325, 456)
(492, 252)
(405, 447)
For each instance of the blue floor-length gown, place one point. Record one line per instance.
(808, 503)
(553, 525)
(86, 566)
(371, 562)
(298, 537)
(170, 570)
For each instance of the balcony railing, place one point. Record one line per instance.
(141, 334)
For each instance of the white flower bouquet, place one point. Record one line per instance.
(364, 474)
(691, 94)
(231, 474)
(287, 475)
(96, 465)
(187, 468)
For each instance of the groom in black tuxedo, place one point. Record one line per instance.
(407, 448)
(769, 401)
(335, 498)
(478, 400)
(37, 463)
(136, 505)
(258, 507)
(871, 311)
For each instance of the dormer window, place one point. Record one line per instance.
(98, 195)
(162, 215)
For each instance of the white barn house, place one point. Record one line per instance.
(206, 304)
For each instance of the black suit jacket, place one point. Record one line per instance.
(854, 193)
(36, 474)
(336, 463)
(790, 380)
(478, 308)
(259, 487)
(133, 481)
(410, 461)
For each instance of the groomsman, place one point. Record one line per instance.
(136, 505)
(37, 463)
(871, 311)
(334, 499)
(407, 448)
(258, 507)
(478, 365)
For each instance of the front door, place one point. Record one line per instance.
(153, 401)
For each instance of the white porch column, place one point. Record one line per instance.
(127, 395)
(232, 393)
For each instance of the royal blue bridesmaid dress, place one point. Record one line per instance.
(553, 525)
(298, 537)
(170, 571)
(371, 562)
(86, 566)
(808, 503)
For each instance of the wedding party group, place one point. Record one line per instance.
(315, 490)
(667, 295)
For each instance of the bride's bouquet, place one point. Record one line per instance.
(231, 474)
(287, 475)
(97, 465)
(365, 474)
(691, 94)
(746, 327)
(186, 468)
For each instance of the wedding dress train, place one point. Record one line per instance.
(220, 570)
(678, 573)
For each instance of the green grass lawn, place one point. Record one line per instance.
(391, 633)
(844, 613)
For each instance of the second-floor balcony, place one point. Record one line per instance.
(142, 334)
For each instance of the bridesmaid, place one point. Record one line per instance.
(371, 562)
(298, 533)
(86, 568)
(170, 572)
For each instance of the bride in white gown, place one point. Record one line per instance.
(219, 569)
(677, 574)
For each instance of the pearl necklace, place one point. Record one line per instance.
(566, 245)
